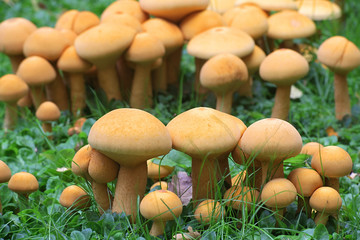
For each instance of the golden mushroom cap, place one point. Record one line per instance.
(239, 197)
(48, 111)
(311, 148)
(326, 199)
(278, 193)
(126, 6)
(5, 172)
(12, 88)
(74, 197)
(23, 183)
(162, 184)
(208, 211)
(319, 9)
(305, 180)
(101, 168)
(80, 162)
(332, 162)
(161, 205)
(70, 61)
(156, 171)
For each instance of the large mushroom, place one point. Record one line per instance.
(341, 56)
(129, 137)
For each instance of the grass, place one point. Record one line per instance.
(28, 149)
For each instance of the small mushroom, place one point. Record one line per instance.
(48, 112)
(156, 171)
(209, 211)
(311, 148)
(162, 184)
(23, 184)
(5, 175)
(241, 198)
(160, 206)
(74, 198)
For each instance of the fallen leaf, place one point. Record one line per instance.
(295, 93)
(190, 235)
(331, 132)
(181, 184)
(62, 169)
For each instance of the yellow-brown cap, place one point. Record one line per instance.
(74, 197)
(156, 171)
(101, 168)
(23, 183)
(278, 193)
(319, 9)
(12, 88)
(48, 111)
(326, 199)
(311, 148)
(305, 180)
(162, 184)
(123, 19)
(241, 197)
(273, 5)
(5, 172)
(77, 21)
(36, 71)
(80, 162)
(254, 60)
(70, 61)
(126, 6)
(208, 211)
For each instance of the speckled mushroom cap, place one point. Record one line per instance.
(145, 48)
(161, 205)
(173, 10)
(326, 199)
(123, 19)
(48, 111)
(251, 20)
(203, 132)
(283, 67)
(13, 33)
(5, 172)
(319, 9)
(126, 6)
(104, 43)
(23, 183)
(305, 180)
(332, 162)
(254, 60)
(198, 22)
(168, 33)
(239, 197)
(77, 21)
(278, 193)
(220, 40)
(45, 42)
(273, 5)
(80, 162)
(130, 136)
(289, 24)
(12, 88)
(70, 61)
(36, 71)
(223, 73)
(270, 139)
(208, 210)
(311, 148)
(101, 168)
(75, 197)
(339, 54)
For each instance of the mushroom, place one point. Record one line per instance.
(306, 181)
(174, 10)
(156, 171)
(270, 141)
(143, 51)
(326, 201)
(23, 184)
(341, 56)
(273, 5)
(160, 206)
(332, 162)
(221, 6)
(171, 37)
(238, 179)
(209, 211)
(37, 72)
(126, 6)
(223, 74)
(47, 113)
(13, 34)
(241, 198)
(277, 194)
(311, 148)
(161, 184)
(130, 137)
(318, 10)
(5, 175)
(71, 63)
(74, 198)
(77, 21)
(204, 134)
(12, 88)
(283, 67)
(49, 43)
(102, 45)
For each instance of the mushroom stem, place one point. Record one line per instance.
(224, 169)
(321, 218)
(141, 92)
(246, 88)
(15, 61)
(173, 66)
(254, 174)
(126, 75)
(159, 77)
(38, 95)
(131, 183)
(332, 182)
(341, 94)
(77, 93)
(204, 179)
(10, 118)
(199, 89)
(278, 214)
(158, 228)
(101, 195)
(57, 92)
(224, 102)
(271, 170)
(108, 81)
(46, 126)
(282, 103)
(304, 205)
